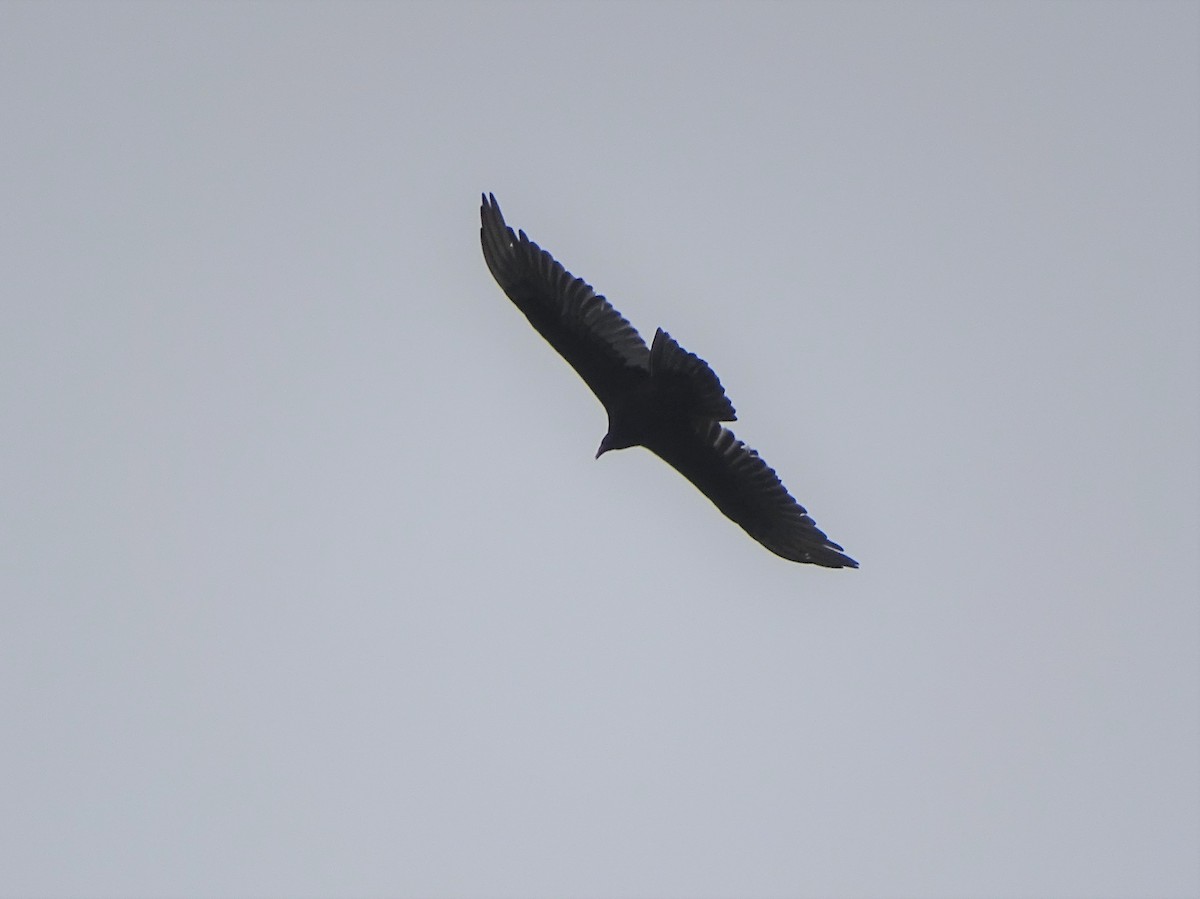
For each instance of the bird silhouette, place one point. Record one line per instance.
(661, 397)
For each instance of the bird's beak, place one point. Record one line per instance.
(604, 447)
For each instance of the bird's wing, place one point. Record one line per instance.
(748, 491)
(586, 330)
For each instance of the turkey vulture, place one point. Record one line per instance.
(661, 397)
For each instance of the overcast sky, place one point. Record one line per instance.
(310, 585)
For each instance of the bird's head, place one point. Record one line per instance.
(613, 441)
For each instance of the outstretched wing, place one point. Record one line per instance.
(748, 491)
(586, 330)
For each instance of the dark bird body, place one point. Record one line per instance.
(661, 397)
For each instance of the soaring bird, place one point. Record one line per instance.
(661, 397)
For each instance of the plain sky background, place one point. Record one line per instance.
(311, 586)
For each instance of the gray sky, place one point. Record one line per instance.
(311, 586)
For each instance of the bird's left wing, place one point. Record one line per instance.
(748, 491)
(586, 330)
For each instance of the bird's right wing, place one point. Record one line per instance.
(748, 491)
(586, 330)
